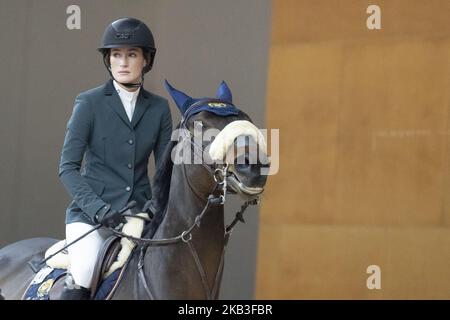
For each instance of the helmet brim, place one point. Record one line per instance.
(112, 46)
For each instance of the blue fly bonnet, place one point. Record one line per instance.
(221, 106)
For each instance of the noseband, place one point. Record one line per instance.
(219, 172)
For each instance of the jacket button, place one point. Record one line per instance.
(129, 166)
(130, 141)
(128, 189)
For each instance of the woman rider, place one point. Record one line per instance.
(114, 127)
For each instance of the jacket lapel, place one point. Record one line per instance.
(140, 108)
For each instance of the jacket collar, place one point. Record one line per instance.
(142, 104)
(109, 89)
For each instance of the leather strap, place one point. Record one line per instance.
(141, 274)
(200, 269)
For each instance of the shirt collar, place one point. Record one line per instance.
(124, 94)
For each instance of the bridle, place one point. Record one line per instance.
(219, 172)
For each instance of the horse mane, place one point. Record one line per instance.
(161, 189)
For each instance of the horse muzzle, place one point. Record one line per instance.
(241, 189)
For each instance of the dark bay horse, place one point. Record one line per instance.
(181, 252)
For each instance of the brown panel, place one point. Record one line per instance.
(330, 262)
(308, 20)
(392, 124)
(365, 166)
(365, 136)
(307, 119)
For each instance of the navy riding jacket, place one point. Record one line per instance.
(115, 150)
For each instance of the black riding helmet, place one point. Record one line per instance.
(129, 32)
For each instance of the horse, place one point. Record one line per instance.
(181, 252)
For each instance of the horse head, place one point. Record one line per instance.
(225, 140)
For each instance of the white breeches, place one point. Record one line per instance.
(83, 254)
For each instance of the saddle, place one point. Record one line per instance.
(113, 256)
(107, 256)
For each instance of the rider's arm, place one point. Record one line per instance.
(76, 140)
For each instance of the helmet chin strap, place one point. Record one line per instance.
(131, 85)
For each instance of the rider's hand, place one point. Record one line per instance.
(109, 217)
(112, 219)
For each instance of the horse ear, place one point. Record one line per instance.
(224, 93)
(179, 97)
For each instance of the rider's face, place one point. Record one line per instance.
(127, 64)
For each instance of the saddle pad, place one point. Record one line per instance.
(107, 285)
(43, 281)
(39, 288)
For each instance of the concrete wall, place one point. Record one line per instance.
(364, 175)
(44, 66)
